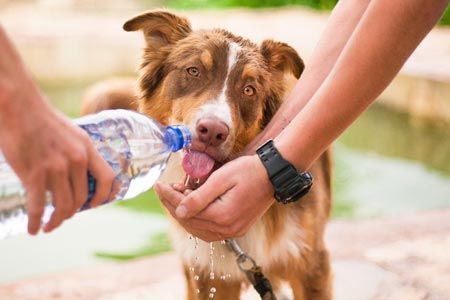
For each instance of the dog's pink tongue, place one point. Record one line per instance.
(197, 164)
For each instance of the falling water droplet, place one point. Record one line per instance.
(212, 290)
(196, 277)
(211, 295)
(186, 181)
(211, 261)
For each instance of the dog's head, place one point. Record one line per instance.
(224, 87)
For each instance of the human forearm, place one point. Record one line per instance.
(345, 16)
(386, 36)
(16, 86)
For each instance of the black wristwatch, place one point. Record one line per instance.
(289, 184)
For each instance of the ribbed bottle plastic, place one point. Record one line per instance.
(136, 147)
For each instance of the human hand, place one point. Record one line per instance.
(49, 153)
(231, 200)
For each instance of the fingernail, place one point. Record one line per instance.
(181, 211)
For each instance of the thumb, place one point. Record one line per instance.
(215, 186)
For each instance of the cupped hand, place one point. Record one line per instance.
(231, 200)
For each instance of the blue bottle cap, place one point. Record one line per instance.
(177, 137)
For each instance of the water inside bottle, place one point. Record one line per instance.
(137, 156)
(137, 160)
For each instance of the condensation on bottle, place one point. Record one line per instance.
(135, 146)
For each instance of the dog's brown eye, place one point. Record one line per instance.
(193, 71)
(249, 90)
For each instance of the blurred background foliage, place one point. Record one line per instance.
(315, 4)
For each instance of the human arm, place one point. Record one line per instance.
(345, 16)
(382, 41)
(47, 152)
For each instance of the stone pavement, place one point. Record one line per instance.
(403, 258)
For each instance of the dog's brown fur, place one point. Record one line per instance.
(170, 96)
(115, 93)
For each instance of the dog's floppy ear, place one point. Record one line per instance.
(271, 105)
(160, 28)
(282, 57)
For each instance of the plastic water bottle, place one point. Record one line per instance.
(136, 147)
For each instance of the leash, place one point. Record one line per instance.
(253, 272)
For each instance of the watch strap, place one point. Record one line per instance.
(289, 184)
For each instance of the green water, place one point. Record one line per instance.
(383, 165)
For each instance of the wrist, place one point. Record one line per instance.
(289, 185)
(23, 93)
(296, 154)
(262, 174)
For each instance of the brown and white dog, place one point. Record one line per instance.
(226, 89)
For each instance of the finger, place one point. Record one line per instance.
(200, 229)
(208, 237)
(35, 204)
(216, 185)
(204, 225)
(179, 187)
(166, 192)
(213, 211)
(195, 223)
(104, 176)
(114, 190)
(62, 198)
(79, 184)
(170, 208)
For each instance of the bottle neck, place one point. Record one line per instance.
(177, 137)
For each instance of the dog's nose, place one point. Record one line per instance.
(212, 132)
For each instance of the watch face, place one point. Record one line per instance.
(295, 189)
